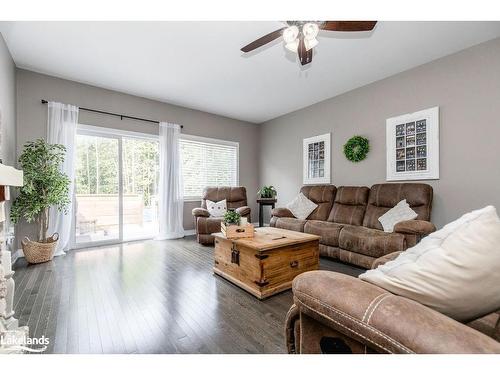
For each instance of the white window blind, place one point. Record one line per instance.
(208, 163)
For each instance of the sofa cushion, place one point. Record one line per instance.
(371, 242)
(208, 225)
(329, 232)
(349, 205)
(290, 223)
(383, 197)
(323, 196)
(234, 196)
(453, 270)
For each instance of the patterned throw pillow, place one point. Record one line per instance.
(217, 209)
(400, 212)
(301, 207)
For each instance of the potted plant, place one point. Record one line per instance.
(45, 186)
(231, 217)
(267, 192)
(232, 226)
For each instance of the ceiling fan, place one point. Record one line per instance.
(300, 36)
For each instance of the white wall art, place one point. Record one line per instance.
(412, 142)
(316, 159)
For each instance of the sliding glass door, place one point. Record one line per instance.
(97, 198)
(140, 188)
(116, 187)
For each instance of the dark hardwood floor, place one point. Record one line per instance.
(147, 297)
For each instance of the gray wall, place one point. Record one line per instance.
(32, 122)
(466, 87)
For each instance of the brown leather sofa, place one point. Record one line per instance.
(337, 313)
(346, 219)
(236, 198)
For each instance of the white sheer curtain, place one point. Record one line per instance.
(61, 129)
(171, 199)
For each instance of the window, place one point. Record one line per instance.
(207, 162)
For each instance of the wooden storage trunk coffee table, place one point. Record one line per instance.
(267, 263)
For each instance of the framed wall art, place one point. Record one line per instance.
(316, 159)
(412, 142)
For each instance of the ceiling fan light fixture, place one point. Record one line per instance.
(300, 36)
(310, 43)
(293, 46)
(290, 34)
(310, 30)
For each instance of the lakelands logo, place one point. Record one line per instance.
(12, 341)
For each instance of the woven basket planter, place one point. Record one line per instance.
(39, 252)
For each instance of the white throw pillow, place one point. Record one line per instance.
(400, 212)
(301, 207)
(455, 270)
(217, 209)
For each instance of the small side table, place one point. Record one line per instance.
(264, 202)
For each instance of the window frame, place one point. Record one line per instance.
(214, 141)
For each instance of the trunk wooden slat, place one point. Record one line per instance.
(267, 263)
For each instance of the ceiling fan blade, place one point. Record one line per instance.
(305, 56)
(348, 25)
(263, 40)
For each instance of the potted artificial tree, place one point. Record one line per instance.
(45, 186)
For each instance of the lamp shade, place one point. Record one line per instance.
(310, 43)
(293, 46)
(290, 34)
(310, 30)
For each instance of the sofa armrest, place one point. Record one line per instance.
(281, 212)
(418, 227)
(243, 211)
(200, 212)
(292, 327)
(381, 320)
(384, 259)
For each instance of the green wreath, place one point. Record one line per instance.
(356, 148)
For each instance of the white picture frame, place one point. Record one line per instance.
(316, 159)
(412, 146)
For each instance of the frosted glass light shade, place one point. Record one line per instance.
(310, 43)
(310, 31)
(290, 34)
(293, 46)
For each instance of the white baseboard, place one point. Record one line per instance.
(189, 232)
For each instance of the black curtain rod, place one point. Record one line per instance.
(113, 114)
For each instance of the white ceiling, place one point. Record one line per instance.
(199, 64)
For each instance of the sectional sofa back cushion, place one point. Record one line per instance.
(349, 205)
(323, 196)
(383, 197)
(235, 196)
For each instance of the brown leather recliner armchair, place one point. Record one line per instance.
(236, 198)
(337, 313)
